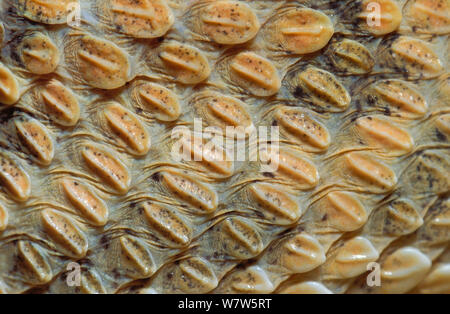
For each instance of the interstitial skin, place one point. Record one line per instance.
(199, 146)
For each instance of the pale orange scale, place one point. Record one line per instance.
(61, 103)
(380, 17)
(141, 19)
(229, 22)
(185, 63)
(344, 211)
(4, 216)
(256, 74)
(325, 89)
(443, 123)
(108, 167)
(137, 255)
(304, 30)
(168, 224)
(429, 16)
(277, 201)
(37, 138)
(128, 126)
(63, 230)
(14, 179)
(86, 201)
(9, 87)
(304, 127)
(229, 111)
(371, 171)
(403, 270)
(197, 276)
(39, 54)
(351, 259)
(35, 262)
(402, 95)
(101, 63)
(417, 56)
(253, 279)
(162, 102)
(244, 234)
(382, 134)
(302, 253)
(302, 171)
(47, 11)
(191, 191)
(211, 155)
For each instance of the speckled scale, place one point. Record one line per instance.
(107, 167)
(39, 54)
(185, 63)
(320, 88)
(240, 239)
(190, 190)
(137, 256)
(65, 232)
(46, 11)
(14, 179)
(60, 103)
(226, 22)
(36, 138)
(35, 262)
(101, 63)
(308, 132)
(167, 224)
(140, 19)
(350, 56)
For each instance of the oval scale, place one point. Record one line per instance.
(167, 224)
(308, 131)
(35, 262)
(86, 201)
(37, 138)
(14, 179)
(380, 133)
(242, 240)
(351, 259)
(129, 128)
(185, 63)
(64, 231)
(61, 103)
(190, 190)
(282, 205)
(371, 171)
(140, 19)
(47, 11)
(138, 256)
(107, 167)
(9, 87)
(323, 89)
(229, 22)
(161, 102)
(101, 63)
(255, 74)
(39, 54)
(197, 276)
(302, 253)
